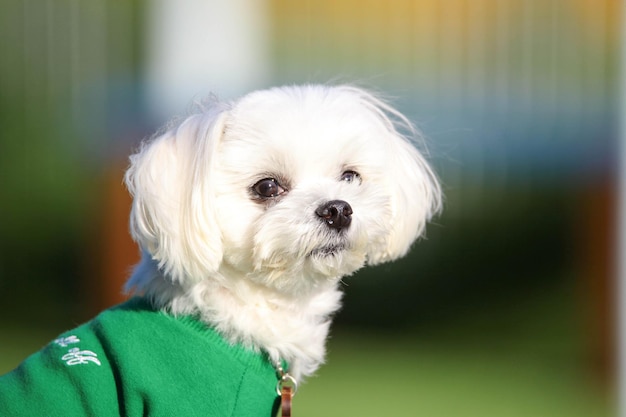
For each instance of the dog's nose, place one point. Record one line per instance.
(336, 214)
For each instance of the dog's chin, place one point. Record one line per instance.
(334, 260)
(328, 250)
(309, 272)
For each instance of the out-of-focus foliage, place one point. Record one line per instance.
(61, 75)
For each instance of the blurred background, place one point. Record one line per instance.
(505, 309)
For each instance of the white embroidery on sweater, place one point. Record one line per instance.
(75, 356)
(65, 341)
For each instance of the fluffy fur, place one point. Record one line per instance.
(264, 271)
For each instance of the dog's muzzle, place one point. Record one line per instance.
(337, 214)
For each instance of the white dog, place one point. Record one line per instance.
(249, 213)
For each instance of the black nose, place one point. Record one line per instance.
(336, 214)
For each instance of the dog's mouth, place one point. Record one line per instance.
(328, 250)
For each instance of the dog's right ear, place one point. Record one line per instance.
(172, 218)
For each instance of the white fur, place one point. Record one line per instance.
(245, 266)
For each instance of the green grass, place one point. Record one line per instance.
(398, 376)
(17, 343)
(527, 357)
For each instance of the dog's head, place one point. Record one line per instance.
(291, 188)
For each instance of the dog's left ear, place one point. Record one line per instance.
(415, 200)
(172, 218)
(415, 192)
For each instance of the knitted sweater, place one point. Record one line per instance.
(134, 361)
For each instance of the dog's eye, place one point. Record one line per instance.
(351, 176)
(268, 187)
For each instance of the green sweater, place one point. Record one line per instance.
(134, 361)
